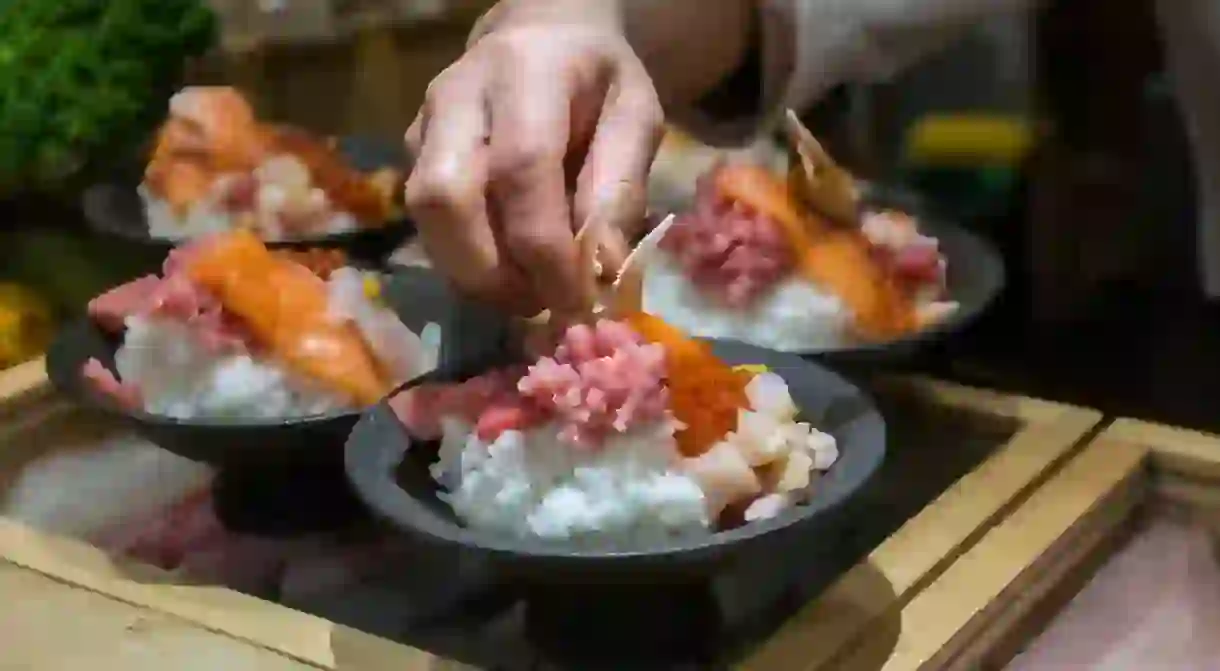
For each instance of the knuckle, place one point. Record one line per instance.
(511, 43)
(429, 189)
(529, 243)
(437, 92)
(436, 87)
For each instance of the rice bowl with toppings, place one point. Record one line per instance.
(216, 168)
(231, 330)
(760, 269)
(795, 262)
(626, 434)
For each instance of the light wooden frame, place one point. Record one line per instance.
(827, 629)
(1011, 583)
(894, 573)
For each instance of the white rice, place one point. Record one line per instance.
(207, 216)
(793, 316)
(636, 489)
(179, 378)
(534, 485)
(164, 224)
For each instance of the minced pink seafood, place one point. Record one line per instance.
(601, 379)
(730, 251)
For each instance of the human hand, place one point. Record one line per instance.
(548, 123)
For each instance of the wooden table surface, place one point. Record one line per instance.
(50, 625)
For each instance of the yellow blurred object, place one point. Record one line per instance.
(372, 288)
(968, 140)
(752, 368)
(26, 325)
(675, 138)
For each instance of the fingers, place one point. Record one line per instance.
(612, 187)
(613, 249)
(445, 192)
(529, 139)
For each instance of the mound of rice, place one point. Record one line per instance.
(533, 484)
(790, 316)
(278, 200)
(178, 377)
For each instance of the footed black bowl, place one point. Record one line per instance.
(661, 597)
(975, 277)
(114, 208)
(417, 295)
(395, 481)
(283, 476)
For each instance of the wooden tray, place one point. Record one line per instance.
(131, 619)
(1000, 594)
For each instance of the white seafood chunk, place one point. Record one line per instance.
(724, 476)
(761, 438)
(793, 474)
(768, 506)
(768, 393)
(824, 450)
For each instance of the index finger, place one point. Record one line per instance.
(529, 139)
(445, 191)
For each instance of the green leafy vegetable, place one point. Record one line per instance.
(81, 79)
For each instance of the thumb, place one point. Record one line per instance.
(612, 188)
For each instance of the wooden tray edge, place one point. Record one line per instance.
(23, 381)
(894, 573)
(993, 594)
(291, 633)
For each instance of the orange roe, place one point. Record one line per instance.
(705, 393)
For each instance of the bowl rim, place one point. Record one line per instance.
(387, 499)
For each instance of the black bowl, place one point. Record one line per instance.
(395, 482)
(417, 295)
(975, 276)
(114, 208)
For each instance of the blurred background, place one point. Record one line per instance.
(1054, 134)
